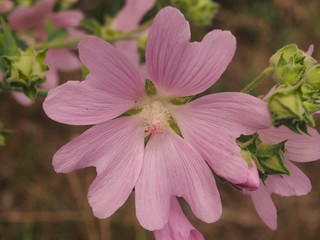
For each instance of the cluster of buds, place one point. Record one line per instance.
(296, 97)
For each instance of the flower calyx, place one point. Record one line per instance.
(268, 157)
(26, 70)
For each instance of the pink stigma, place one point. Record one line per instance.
(153, 130)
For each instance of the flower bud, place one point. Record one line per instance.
(26, 70)
(199, 12)
(263, 159)
(312, 76)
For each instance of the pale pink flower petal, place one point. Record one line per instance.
(52, 79)
(212, 124)
(62, 59)
(178, 226)
(67, 18)
(22, 98)
(181, 68)
(131, 14)
(112, 71)
(294, 185)
(6, 6)
(300, 148)
(130, 50)
(310, 50)
(23, 17)
(174, 168)
(83, 104)
(253, 180)
(115, 148)
(264, 206)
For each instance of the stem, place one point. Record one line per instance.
(66, 43)
(258, 79)
(40, 92)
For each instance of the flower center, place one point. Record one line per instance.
(155, 118)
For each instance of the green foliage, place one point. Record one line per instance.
(150, 88)
(53, 32)
(4, 134)
(8, 45)
(92, 25)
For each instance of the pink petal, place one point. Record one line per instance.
(295, 185)
(67, 19)
(115, 148)
(310, 50)
(264, 206)
(22, 99)
(174, 168)
(181, 68)
(112, 72)
(62, 59)
(131, 14)
(78, 103)
(23, 17)
(253, 180)
(52, 79)
(212, 124)
(178, 226)
(6, 6)
(300, 148)
(130, 50)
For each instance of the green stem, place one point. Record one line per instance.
(66, 43)
(5, 87)
(258, 79)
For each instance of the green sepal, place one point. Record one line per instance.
(180, 100)
(173, 124)
(150, 88)
(131, 112)
(270, 156)
(146, 140)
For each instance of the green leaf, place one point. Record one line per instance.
(92, 25)
(52, 32)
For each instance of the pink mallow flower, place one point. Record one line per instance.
(168, 165)
(5, 5)
(300, 148)
(24, 18)
(178, 226)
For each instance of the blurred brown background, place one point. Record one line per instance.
(37, 203)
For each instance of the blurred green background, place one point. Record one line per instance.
(37, 203)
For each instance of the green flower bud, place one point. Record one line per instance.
(284, 54)
(267, 157)
(199, 12)
(312, 76)
(289, 72)
(290, 64)
(26, 70)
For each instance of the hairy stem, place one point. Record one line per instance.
(258, 79)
